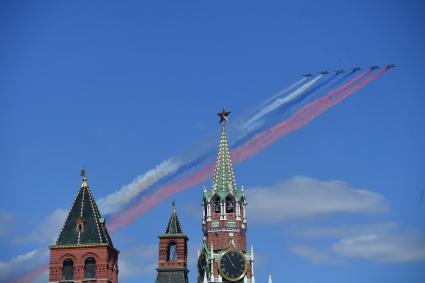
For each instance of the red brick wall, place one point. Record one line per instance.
(106, 262)
(181, 243)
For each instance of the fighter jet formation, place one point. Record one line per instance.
(355, 69)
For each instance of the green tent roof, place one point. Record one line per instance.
(93, 230)
(224, 178)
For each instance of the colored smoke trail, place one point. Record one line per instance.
(282, 92)
(301, 118)
(116, 201)
(278, 102)
(245, 151)
(32, 275)
(148, 202)
(170, 169)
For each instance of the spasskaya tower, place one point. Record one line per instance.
(224, 256)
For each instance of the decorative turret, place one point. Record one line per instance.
(172, 265)
(174, 226)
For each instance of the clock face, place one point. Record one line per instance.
(232, 265)
(202, 266)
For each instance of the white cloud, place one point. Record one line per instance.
(6, 221)
(47, 230)
(380, 242)
(342, 231)
(315, 255)
(305, 197)
(394, 247)
(24, 263)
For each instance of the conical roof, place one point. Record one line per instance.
(174, 227)
(84, 224)
(224, 178)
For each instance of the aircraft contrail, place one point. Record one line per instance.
(32, 275)
(299, 119)
(172, 168)
(247, 150)
(116, 201)
(280, 101)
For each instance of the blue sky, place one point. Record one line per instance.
(121, 87)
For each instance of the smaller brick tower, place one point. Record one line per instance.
(172, 265)
(83, 251)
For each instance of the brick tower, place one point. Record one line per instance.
(224, 256)
(172, 265)
(83, 250)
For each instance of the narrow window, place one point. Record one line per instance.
(172, 252)
(79, 224)
(68, 270)
(230, 204)
(216, 203)
(90, 268)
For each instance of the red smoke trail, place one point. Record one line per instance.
(247, 150)
(32, 275)
(252, 147)
(148, 202)
(297, 121)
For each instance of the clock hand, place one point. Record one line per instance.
(231, 262)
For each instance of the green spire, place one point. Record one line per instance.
(224, 178)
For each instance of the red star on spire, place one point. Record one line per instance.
(223, 115)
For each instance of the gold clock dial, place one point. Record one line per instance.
(232, 265)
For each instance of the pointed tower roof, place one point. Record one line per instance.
(84, 226)
(224, 178)
(174, 227)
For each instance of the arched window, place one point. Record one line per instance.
(68, 270)
(90, 268)
(216, 203)
(230, 204)
(172, 252)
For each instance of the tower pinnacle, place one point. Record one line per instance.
(83, 174)
(224, 179)
(224, 115)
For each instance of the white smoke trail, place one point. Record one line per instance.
(282, 92)
(116, 201)
(253, 122)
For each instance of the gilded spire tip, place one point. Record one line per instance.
(83, 174)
